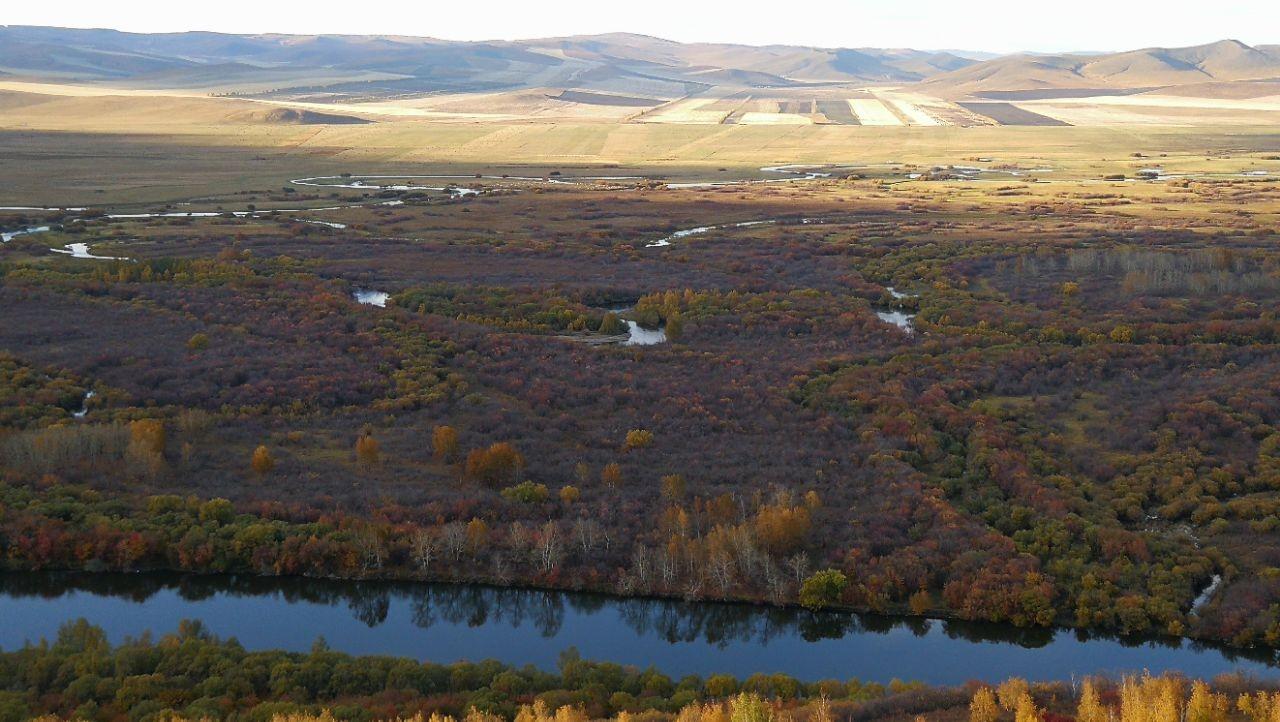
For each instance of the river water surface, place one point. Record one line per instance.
(450, 622)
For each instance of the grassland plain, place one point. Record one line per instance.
(154, 150)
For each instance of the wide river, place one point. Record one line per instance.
(450, 622)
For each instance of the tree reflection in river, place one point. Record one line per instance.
(372, 608)
(475, 606)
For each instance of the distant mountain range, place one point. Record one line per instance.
(379, 66)
(112, 55)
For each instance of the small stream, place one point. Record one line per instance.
(705, 229)
(83, 411)
(1208, 593)
(7, 236)
(81, 250)
(372, 183)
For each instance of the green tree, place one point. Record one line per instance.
(198, 342)
(823, 589)
(675, 326)
(526, 493)
(749, 708)
(611, 324)
(1122, 334)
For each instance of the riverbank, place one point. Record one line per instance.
(186, 536)
(192, 672)
(448, 622)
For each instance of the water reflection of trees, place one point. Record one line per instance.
(723, 624)
(476, 606)
(546, 612)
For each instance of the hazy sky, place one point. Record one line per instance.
(993, 25)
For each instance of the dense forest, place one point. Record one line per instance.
(1015, 402)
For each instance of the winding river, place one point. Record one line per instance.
(7, 236)
(81, 250)
(451, 622)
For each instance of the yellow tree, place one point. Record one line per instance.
(444, 441)
(475, 715)
(147, 436)
(1260, 707)
(367, 449)
(983, 707)
(1167, 696)
(611, 475)
(1205, 705)
(498, 464)
(571, 714)
(477, 535)
(1027, 711)
(920, 602)
(1150, 699)
(638, 439)
(1091, 709)
(537, 712)
(262, 461)
(145, 452)
(673, 487)
(1010, 691)
(822, 710)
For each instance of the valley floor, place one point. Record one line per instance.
(1017, 375)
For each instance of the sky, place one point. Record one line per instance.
(982, 25)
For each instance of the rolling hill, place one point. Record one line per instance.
(1151, 68)
(98, 55)
(629, 78)
(355, 65)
